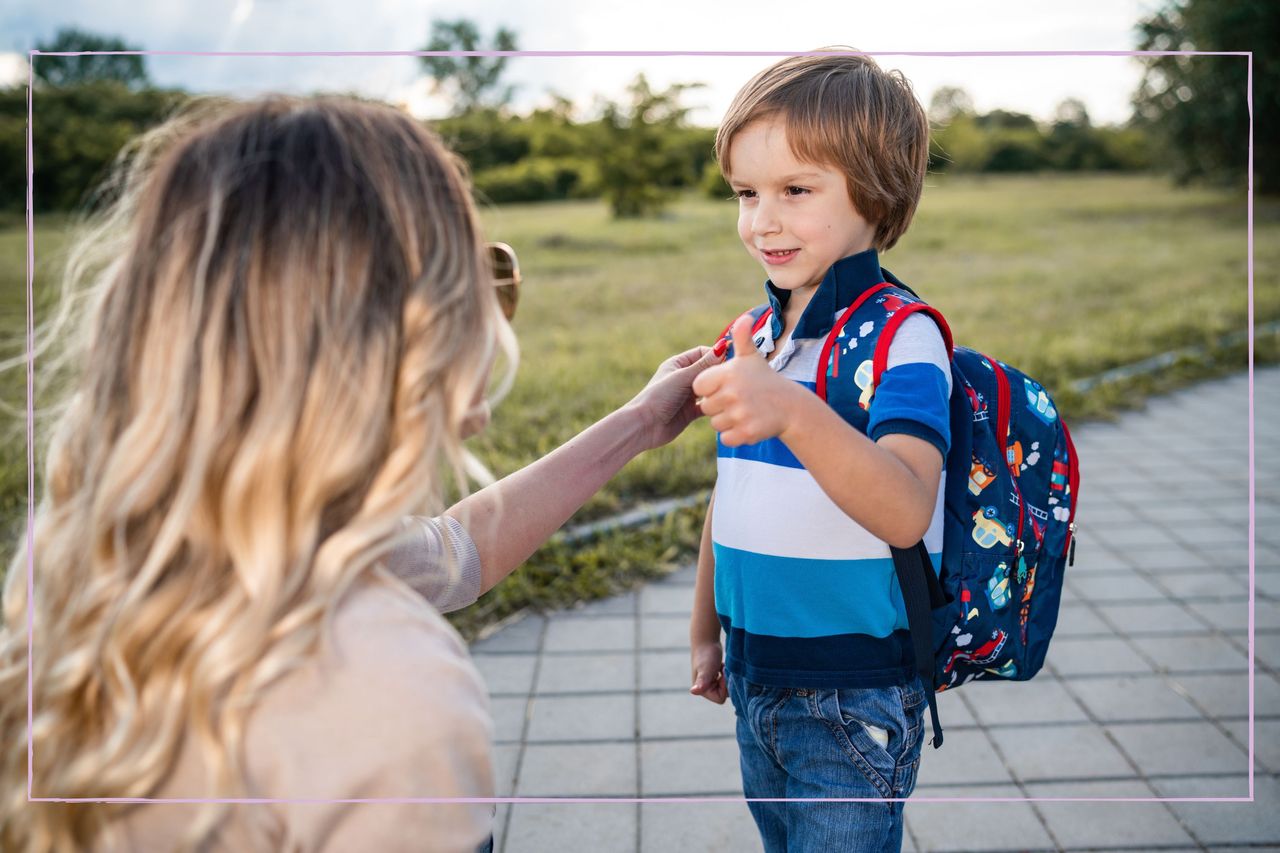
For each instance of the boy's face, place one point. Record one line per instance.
(795, 218)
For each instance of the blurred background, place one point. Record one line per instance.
(1082, 213)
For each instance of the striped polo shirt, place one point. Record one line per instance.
(806, 596)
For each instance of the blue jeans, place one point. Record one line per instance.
(797, 744)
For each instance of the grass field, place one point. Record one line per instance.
(1063, 277)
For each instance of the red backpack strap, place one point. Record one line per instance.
(880, 360)
(726, 337)
(821, 379)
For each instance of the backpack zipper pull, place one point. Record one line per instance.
(1071, 555)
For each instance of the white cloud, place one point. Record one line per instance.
(13, 69)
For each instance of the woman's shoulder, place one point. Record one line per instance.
(391, 667)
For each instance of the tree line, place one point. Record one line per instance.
(1190, 118)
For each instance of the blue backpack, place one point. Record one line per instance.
(1009, 509)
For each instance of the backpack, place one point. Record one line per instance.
(989, 609)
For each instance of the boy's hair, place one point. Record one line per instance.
(844, 110)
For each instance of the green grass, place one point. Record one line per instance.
(1063, 277)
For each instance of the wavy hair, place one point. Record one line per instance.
(283, 320)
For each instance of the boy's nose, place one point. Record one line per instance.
(766, 220)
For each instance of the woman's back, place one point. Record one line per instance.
(393, 710)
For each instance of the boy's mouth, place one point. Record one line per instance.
(778, 257)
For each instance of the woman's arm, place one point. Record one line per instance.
(511, 518)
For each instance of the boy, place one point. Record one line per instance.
(827, 155)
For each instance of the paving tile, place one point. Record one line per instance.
(1070, 656)
(586, 673)
(1141, 826)
(1212, 584)
(1191, 654)
(664, 632)
(1079, 621)
(706, 766)
(941, 827)
(618, 605)
(590, 635)
(505, 757)
(966, 757)
(1210, 534)
(556, 827)
(1179, 748)
(1227, 695)
(953, 709)
(594, 717)
(1266, 744)
(1133, 699)
(1149, 616)
(506, 673)
(668, 600)
(1040, 700)
(1233, 615)
(1266, 649)
(1141, 534)
(665, 671)
(1173, 557)
(578, 770)
(523, 635)
(1115, 587)
(682, 714)
(1257, 822)
(709, 827)
(683, 576)
(508, 717)
(1050, 753)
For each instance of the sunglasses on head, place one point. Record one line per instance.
(506, 276)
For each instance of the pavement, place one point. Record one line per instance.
(1145, 693)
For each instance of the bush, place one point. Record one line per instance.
(538, 179)
(77, 132)
(713, 184)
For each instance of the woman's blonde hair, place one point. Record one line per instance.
(288, 316)
(844, 111)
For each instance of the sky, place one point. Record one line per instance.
(1034, 85)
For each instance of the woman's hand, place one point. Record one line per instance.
(667, 404)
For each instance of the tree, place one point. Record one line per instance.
(949, 102)
(639, 154)
(1195, 106)
(473, 80)
(73, 70)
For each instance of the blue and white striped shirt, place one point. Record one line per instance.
(808, 597)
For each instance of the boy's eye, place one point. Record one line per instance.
(744, 194)
(796, 190)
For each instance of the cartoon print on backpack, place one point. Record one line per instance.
(1038, 401)
(862, 378)
(981, 475)
(998, 588)
(978, 403)
(988, 529)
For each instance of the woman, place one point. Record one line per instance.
(278, 367)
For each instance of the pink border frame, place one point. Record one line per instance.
(565, 53)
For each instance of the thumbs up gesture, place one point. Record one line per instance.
(745, 399)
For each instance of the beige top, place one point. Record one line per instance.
(393, 709)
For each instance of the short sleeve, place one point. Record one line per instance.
(913, 397)
(439, 561)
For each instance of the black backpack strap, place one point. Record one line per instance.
(921, 593)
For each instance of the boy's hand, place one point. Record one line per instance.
(745, 399)
(707, 661)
